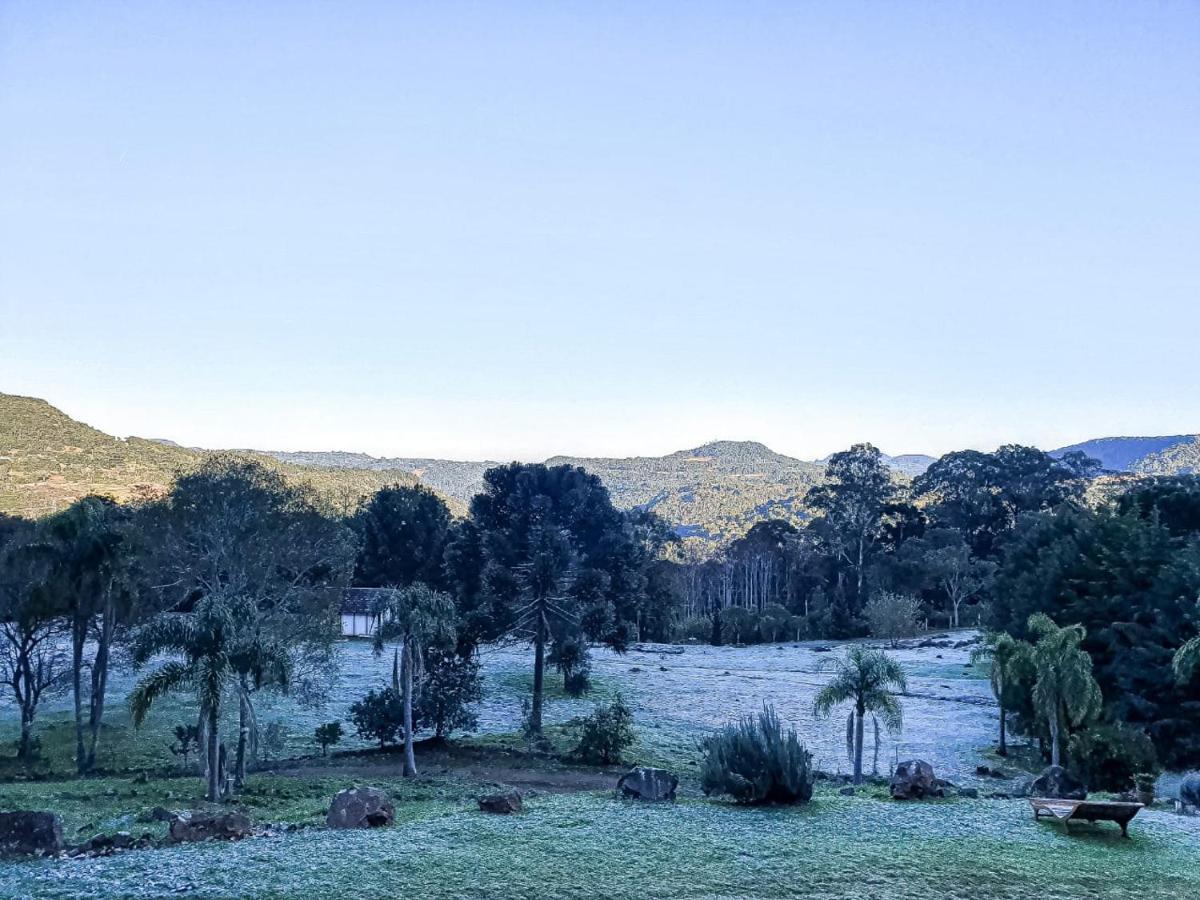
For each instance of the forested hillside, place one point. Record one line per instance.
(1149, 455)
(48, 460)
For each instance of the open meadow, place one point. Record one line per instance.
(574, 838)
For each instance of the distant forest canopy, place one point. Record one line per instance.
(711, 496)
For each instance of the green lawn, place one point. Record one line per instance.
(589, 845)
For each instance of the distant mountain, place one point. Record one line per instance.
(48, 460)
(910, 464)
(1168, 455)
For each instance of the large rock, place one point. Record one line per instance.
(1189, 789)
(30, 833)
(360, 807)
(189, 827)
(914, 780)
(643, 783)
(503, 804)
(1057, 783)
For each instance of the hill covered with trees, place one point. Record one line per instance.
(48, 460)
(1176, 454)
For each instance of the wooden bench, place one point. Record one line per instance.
(1092, 811)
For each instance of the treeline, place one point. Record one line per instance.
(232, 584)
(990, 540)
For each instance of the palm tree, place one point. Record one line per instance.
(1187, 660)
(869, 679)
(417, 616)
(218, 645)
(1008, 657)
(1065, 691)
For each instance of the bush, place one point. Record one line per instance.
(570, 657)
(273, 740)
(452, 683)
(754, 761)
(606, 733)
(187, 738)
(327, 735)
(891, 616)
(1107, 757)
(738, 625)
(379, 717)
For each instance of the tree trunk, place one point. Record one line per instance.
(1003, 748)
(100, 680)
(239, 772)
(201, 742)
(78, 636)
(396, 670)
(539, 674)
(25, 747)
(860, 714)
(213, 793)
(410, 760)
(1054, 754)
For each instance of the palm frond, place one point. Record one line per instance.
(169, 677)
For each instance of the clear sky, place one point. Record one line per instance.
(509, 230)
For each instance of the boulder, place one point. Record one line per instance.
(501, 804)
(1058, 784)
(846, 791)
(1189, 789)
(644, 783)
(360, 807)
(914, 780)
(203, 826)
(30, 833)
(968, 792)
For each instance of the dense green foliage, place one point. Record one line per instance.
(379, 716)
(327, 735)
(1107, 757)
(606, 733)
(755, 761)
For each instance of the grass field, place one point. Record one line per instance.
(574, 838)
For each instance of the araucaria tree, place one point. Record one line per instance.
(868, 680)
(250, 575)
(1009, 660)
(1065, 692)
(418, 618)
(556, 560)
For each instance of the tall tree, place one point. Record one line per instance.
(557, 559)
(1065, 692)
(236, 533)
(851, 505)
(1009, 661)
(869, 680)
(92, 562)
(945, 560)
(419, 618)
(31, 625)
(982, 494)
(403, 533)
(219, 644)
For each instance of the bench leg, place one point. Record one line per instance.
(1124, 829)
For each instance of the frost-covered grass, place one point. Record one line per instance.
(677, 699)
(586, 845)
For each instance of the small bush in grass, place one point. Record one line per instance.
(187, 737)
(327, 735)
(379, 716)
(755, 761)
(606, 733)
(451, 686)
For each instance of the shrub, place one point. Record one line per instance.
(1107, 757)
(327, 735)
(754, 761)
(570, 657)
(891, 616)
(738, 625)
(606, 733)
(379, 717)
(274, 739)
(452, 683)
(186, 739)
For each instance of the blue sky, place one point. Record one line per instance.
(512, 230)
